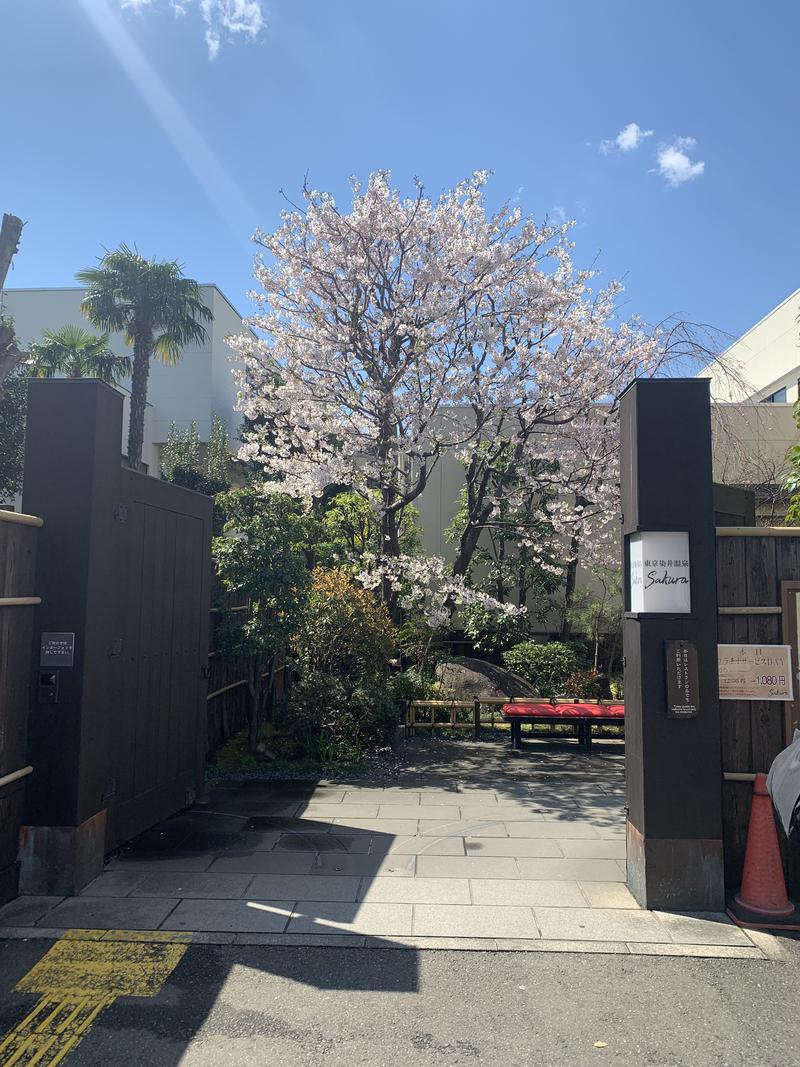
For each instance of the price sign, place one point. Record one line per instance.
(755, 672)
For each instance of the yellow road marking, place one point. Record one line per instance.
(77, 979)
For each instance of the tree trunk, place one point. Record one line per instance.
(142, 349)
(569, 585)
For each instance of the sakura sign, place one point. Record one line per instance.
(660, 579)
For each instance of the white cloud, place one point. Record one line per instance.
(224, 19)
(628, 139)
(674, 163)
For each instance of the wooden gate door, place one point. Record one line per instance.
(159, 748)
(758, 583)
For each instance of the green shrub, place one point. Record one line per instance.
(344, 628)
(586, 684)
(335, 721)
(493, 631)
(546, 666)
(343, 701)
(410, 685)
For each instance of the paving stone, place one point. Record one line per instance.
(274, 824)
(598, 924)
(162, 861)
(209, 886)
(573, 870)
(388, 865)
(582, 848)
(706, 928)
(237, 916)
(393, 827)
(420, 811)
(561, 831)
(110, 913)
(376, 919)
(264, 863)
(113, 884)
(301, 887)
(723, 952)
(524, 891)
(404, 797)
(513, 846)
(420, 846)
(608, 895)
(500, 813)
(216, 841)
(463, 828)
(258, 840)
(330, 842)
(167, 835)
(340, 811)
(27, 910)
(611, 831)
(467, 867)
(415, 890)
(449, 920)
(440, 796)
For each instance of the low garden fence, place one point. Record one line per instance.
(484, 714)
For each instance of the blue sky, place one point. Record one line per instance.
(176, 129)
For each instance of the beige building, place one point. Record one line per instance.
(765, 361)
(199, 386)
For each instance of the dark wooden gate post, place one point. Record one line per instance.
(674, 774)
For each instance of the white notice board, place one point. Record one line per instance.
(755, 672)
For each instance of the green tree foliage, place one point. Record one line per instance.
(349, 529)
(76, 353)
(13, 404)
(158, 309)
(515, 559)
(261, 564)
(596, 612)
(183, 461)
(547, 666)
(491, 631)
(344, 643)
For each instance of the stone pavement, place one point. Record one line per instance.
(473, 847)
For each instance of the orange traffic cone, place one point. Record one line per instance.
(763, 902)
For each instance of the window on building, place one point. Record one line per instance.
(778, 397)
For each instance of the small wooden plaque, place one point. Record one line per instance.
(683, 684)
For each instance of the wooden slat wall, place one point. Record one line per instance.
(17, 575)
(750, 570)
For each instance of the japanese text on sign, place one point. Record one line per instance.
(755, 672)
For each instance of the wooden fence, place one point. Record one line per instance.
(228, 694)
(18, 542)
(758, 583)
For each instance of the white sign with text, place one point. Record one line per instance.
(659, 572)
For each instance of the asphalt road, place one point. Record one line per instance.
(304, 1007)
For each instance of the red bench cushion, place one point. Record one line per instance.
(564, 711)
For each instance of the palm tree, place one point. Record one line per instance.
(76, 353)
(158, 309)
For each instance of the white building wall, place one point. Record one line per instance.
(200, 384)
(767, 358)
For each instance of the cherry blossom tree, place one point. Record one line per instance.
(403, 329)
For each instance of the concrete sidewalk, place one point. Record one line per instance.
(474, 847)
